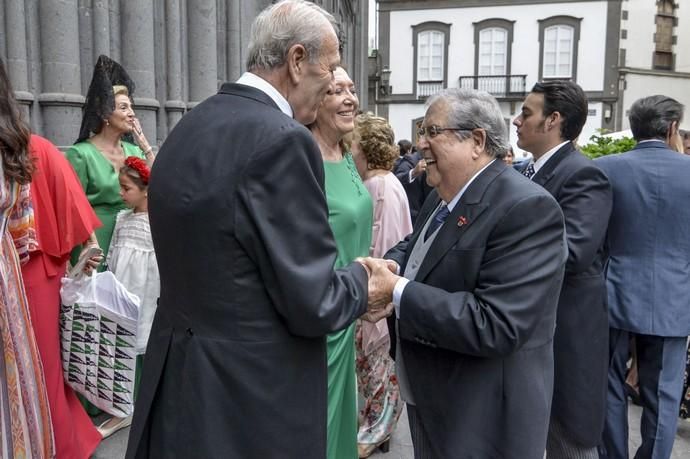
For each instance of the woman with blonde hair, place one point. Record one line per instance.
(375, 152)
(108, 127)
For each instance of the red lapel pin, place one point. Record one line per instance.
(462, 221)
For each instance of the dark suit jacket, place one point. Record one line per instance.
(236, 361)
(417, 190)
(581, 341)
(476, 324)
(649, 240)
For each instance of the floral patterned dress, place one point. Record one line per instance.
(25, 424)
(380, 404)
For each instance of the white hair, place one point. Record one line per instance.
(283, 25)
(475, 109)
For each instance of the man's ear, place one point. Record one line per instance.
(554, 120)
(479, 141)
(297, 58)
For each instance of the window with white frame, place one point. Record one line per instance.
(558, 38)
(430, 53)
(430, 43)
(493, 51)
(558, 52)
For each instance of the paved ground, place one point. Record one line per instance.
(401, 446)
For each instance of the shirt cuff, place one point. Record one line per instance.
(410, 177)
(397, 294)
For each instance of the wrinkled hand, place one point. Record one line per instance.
(381, 282)
(375, 316)
(138, 134)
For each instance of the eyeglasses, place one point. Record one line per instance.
(433, 130)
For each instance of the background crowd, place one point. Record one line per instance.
(333, 277)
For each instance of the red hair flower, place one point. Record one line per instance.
(140, 166)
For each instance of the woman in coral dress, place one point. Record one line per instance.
(64, 219)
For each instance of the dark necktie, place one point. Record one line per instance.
(529, 171)
(439, 217)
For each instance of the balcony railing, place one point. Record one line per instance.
(428, 88)
(497, 85)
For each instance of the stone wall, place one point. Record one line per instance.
(178, 52)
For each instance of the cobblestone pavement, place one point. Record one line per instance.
(401, 445)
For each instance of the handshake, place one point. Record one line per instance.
(382, 280)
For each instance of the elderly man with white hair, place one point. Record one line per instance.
(476, 306)
(236, 360)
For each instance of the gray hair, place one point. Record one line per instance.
(475, 109)
(283, 25)
(651, 117)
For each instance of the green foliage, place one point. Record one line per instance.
(602, 146)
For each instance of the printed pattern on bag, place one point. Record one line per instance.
(98, 356)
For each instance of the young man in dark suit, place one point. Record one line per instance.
(551, 119)
(236, 362)
(647, 277)
(477, 304)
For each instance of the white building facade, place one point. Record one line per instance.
(611, 48)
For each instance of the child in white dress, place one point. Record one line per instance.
(132, 260)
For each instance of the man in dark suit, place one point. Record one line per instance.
(552, 117)
(236, 361)
(647, 277)
(411, 171)
(476, 307)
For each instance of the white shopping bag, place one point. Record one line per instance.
(98, 327)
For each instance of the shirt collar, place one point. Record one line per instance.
(255, 81)
(456, 198)
(546, 156)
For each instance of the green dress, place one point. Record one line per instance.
(102, 187)
(350, 214)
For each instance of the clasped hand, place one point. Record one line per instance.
(382, 279)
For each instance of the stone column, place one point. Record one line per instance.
(235, 43)
(203, 63)
(137, 40)
(174, 103)
(17, 64)
(61, 99)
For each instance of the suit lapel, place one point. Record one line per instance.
(425, 212)
(546, 172)
(464, 214)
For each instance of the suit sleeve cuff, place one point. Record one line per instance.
(397, 294)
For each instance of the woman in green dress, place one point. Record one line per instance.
(100, 151)
(350, 214)
(98, 155)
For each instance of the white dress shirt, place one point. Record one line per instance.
(545, 157)
(255, 81)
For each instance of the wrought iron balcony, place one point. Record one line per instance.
(496, 85)
(428, 88)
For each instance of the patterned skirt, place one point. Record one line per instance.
(25, 424)
(380, 404)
